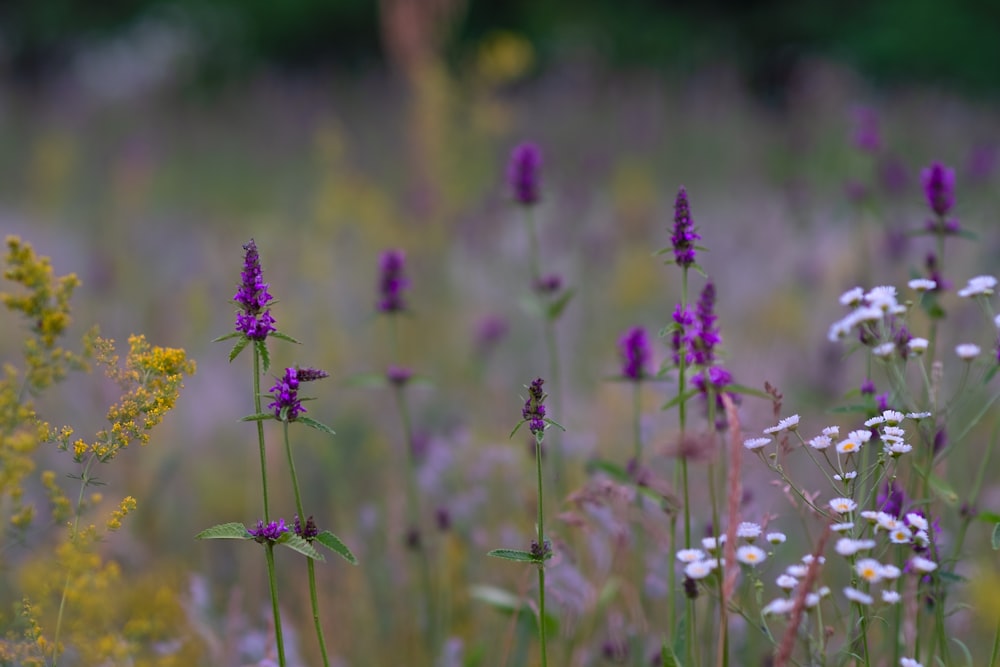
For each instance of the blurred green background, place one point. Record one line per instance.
(145, 142)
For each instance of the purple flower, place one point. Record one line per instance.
(523, 173)
(891, 499)
(684, 319)
(938, 182)
(392, 282)
(684, 235)
(310, 374)
(634, 348)
(269, 532)
(716, 379)
(490, 331)
(285, 392)
(534, 410)
(308, 531)
(549, 284)
(867, 387)
(866, 132)
(255, 320)
(706, 336)
(398, 375)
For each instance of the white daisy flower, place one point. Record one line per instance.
(892, 417)
(698, 569)
(922, 284)
(897, 448)
(918, 345)
(797, 570)
(690, 555)
(886, 521)
(870, 515)
(865, 314)
(786, 581)
(921, 538)
(748, 530)
(890, 571)
(890, 597)
(713, 543)
(894, 431)
(875, 421)
(831, 431)
(917, 521)
(860, 436)
(848, 547)
(750, 555)
(882, 297)
(852, 297)
(842, 527)
(900, 535)
(755, 443)
(808, 558)
(820, 442)
(967, 351)
(778, 606)
(775, 537)
(840, 329)
(787, 424)
(869, 569)
(847, 476)
(824, 591)
(917, 415)
(854, 595)
(909, 662)
(812, 599)
(848, 446)
(884, 350)
(980, 285)
(921, 564)
(843, 505)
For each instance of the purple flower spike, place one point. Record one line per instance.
(392, 282)
(398, 375)
(939, 187)
(634, 349)
(534, 410)
(684, 319)
(310, 374)
(684, 235)
(706, 337)
(308, 531)
(285, 392)
(268, 532)
(523, 173)
(255, 320)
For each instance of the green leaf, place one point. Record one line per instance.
(240, 344)
(668, 657)
(988, 516)
(557, 307)
(951, 576)
(231, 334)
(319, 426)
(553, 422)
(225, 531)
(990, 373)
(265, 356)
(333, 543)
(376, 380)
(514, 554)
(296, 543)
(284, 337)
(519, 425)
(680, 636)
(995, 539)
(679, 398)
(747, 391)
(497, 598)
(259, 417)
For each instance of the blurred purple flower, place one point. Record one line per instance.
(634, 349)
(285, 393)
(534, 410)
(704, 339)
(255, 320)
(524, 173)
(938, 182)
(867, 387)
(392, 282)
(490, 331)
(308, 531)
(867, 137)
(891, 499)
(684, 235)
(268, 532)
(549, 284)
(893, 175)
(310, 374)
(398, 375)
(684, 319)
(934, 273)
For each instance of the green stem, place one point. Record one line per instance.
(273, 585)
(313, 598)
(539, 436)
(260, 432)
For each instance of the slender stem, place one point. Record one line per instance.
(273, 584)
(260, 432)
(539, 436)
(313, 598)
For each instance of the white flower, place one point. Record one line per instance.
(900, 535)
(892, 417)
(854, 595)
(891, 597)
(869, 569)
(698, 569)
(909, 662)
(748, 530)
(843, 505)
(921, 564)
(885, 350)
(786, 424)
(797, 570)
(690, 555)
(921, 284)
(874, 421)
(848, 547)
(812, 599)
(840, 329)
(831, 431)
(883, 298)
(786, 581)
(842, 527)
(860, 436)
(917, 521)
(979, 285)
(922, 538)
(918, 345)
(820, 442)
(755, 443)
(996, 321)
(890, 571)
(848, 446)
(897, 448)
(865, 314)
(846, 476)
(870, 515)
(750, 555)
(778, 606)
(967, 351)
(713, 543)
(917, 415)
(852, 297)
(775, 537)
(894, 431)
(808, 558)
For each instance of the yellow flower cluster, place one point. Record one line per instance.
(127, 505)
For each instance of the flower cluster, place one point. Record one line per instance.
(634, 349)
(306, 531)
(523, 173)
(254, 320)
(684, 235)
(938, 182)
(268, 532)
(534, 408)
(287, 405)
(392, 281)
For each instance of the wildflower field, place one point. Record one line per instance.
(580, 370)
